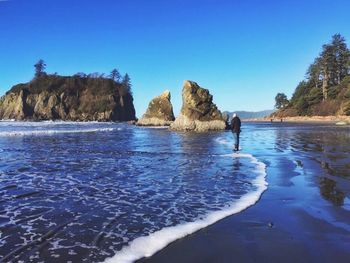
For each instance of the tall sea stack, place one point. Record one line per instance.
(198, 112)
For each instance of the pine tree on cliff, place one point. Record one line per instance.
(125, 85)
(124, 88)
(40, 68)
(115, 75)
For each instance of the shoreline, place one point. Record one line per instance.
(304, 119)
(301, 217)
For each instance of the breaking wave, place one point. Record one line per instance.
(10, 128)
(50, 132)
(114, 196)
(146, 246)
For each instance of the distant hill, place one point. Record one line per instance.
(250, 114)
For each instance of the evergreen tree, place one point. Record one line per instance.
(281, 101)
(40, 68)
(342, 57)
(115, 75)
(126, 85)
(314, 72)
(334, 63)
(328, 80)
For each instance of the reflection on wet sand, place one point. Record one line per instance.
(327, 146)
(330, 191)
(236, 164)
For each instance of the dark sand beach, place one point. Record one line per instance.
(303, 216)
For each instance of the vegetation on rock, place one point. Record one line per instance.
(80, 97)
(326, 89)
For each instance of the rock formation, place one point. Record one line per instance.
(159, 112)
(198, 112)
(68, 98)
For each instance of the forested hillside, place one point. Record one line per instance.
(326, 88)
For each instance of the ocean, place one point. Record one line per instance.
(113, 192)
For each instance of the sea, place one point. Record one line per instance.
(114, 192)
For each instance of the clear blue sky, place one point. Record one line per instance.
(243, 51)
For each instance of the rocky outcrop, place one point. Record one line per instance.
(159, 112)
(198, 112)
(67, 98)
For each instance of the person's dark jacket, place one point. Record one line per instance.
(236, 125)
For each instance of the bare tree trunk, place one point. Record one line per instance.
(324, 89)
(325, 86)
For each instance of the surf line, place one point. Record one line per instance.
(52, 132)
(147, 246)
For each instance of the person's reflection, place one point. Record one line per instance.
(330, 191)
(236, 164)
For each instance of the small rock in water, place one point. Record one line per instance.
(270, 224)
(159, 112)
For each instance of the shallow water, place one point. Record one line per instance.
(89, 191)
(304, 214)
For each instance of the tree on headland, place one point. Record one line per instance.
(331, 66)
(80, 75)
(40, 68)
(327, 83)
(125, 85)
(281, 101)
(314, 72)
(115, 75)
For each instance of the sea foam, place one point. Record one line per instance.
(148, 245)
(50, 132)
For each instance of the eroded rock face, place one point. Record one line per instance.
(159, 112)
(67, 98)
(198, 112)
(13, 106)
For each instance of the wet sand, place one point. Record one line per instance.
(304, 216)
(342, 120)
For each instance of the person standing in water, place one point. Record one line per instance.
(236, 130)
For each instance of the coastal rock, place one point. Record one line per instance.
(67, 98)
(198, 112)
(13, 106)
(159, 112)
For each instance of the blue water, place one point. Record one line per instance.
(84, 192)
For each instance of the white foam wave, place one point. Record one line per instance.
(51, 123)
(148, 245)
(154, 127)
(8, 120)
(221, 140)
(50, 132)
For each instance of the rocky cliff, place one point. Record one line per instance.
(159, 112)
(198, 112)
(68, 98)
